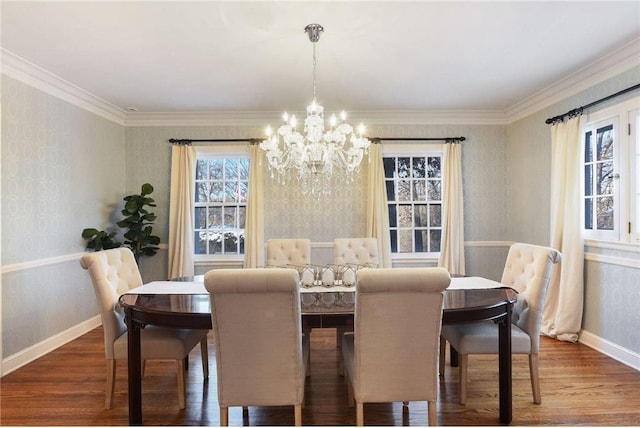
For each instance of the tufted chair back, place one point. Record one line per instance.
(393, 353)
(528, 270)
(259, 344)
(282, 252)
(113, 272)
(358, 251)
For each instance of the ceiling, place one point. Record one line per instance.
(213, 56)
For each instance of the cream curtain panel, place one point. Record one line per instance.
(562, 314)
(452, 243)
(377, 210)
(254, 222)
(181, 209)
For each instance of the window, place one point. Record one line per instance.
(611, 174)
(221, 181)
(413, 177)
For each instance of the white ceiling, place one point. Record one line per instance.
(212, 56)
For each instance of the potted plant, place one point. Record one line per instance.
(137, 225)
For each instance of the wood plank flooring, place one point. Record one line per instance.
(66, 387)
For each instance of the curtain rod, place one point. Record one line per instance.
(256, 140)
(578, 111)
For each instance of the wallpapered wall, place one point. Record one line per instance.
(612, 292)
(289, 213)
(64, 169)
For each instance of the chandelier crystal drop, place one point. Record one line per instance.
(312, 157)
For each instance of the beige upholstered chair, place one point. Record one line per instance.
(259, 343)
(357, 251)
(282, 252)
(527, 270)
(114, 272)
(393, 353)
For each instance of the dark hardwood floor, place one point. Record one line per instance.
(66, 387)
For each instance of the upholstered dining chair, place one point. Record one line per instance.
(355, 252)
(527, 270)
(283, 252)
(114, 272)
(392, 354)
(260, 354)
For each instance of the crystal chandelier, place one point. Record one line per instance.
(312, 156)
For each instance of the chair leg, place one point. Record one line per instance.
(359, 414)
(431, 411)
(224, 416)
(443, 351)
(204, 352)
(111, 377)
(462, 384)
(180, 367)
(143, 367)
(535, 379)
(298, 414)
(339, 334)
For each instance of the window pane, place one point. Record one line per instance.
(604, 138)
(419, 167)
(201, 218)
(215, 169)
(389, 167)
(200, 243)
(588, 180)
(215, 242)
(605, 178)
(604, 213)
(588, 147)
(422, 241)
(243, 191)
(406, 244)
(230, 169)
(230, 242)
(435, 216)
(230, 218)
(403, 167)
(394, 241)
(588, 214)
(404, 216)
(404, 190)
(231, 191)
(215, 193)
(393, 222)
(202, 190)
(434, 169)
(244, 169)
(421, 218)
(215, 217)
(391, 192)
(242, 216)
(419, 191)
(201, 170)
(435, 240)
(434, 190)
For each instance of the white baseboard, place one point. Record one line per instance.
(625, 356)
(32, 353)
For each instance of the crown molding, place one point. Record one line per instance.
(261, 118)
(618, 61)
(30, 74)
(612, 64)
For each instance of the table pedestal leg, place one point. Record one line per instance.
(134, 369)
(504, 365)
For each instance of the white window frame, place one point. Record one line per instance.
(625, 118)
(411, 150)
(219, 151)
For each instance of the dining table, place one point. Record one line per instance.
(185, 303)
